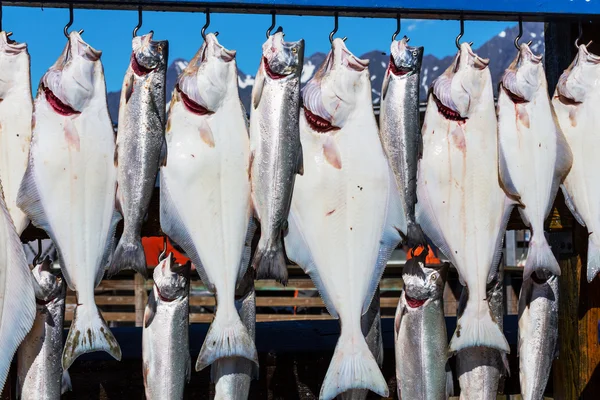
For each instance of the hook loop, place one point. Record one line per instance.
(335, 28)
(397, 27)
(163, 254)
(39, 253)
(273, 21)
(66, 30)
(203, 31)
(580, 34)
(462, 32)
(139, 25)
(520, 35)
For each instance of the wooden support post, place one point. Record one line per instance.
(141, 298)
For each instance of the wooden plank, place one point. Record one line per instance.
(141, 298)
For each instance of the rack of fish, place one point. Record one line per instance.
(331, 189)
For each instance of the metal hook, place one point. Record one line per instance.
(335, 29)
(520, 33)
(139, 25)
(273, 21)
(462, 32)
(397, 27)
(580, 35)
(163, 254)
(39, 253)
(66, 30)
(0, 15)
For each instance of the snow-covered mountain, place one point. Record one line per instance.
(500, 50)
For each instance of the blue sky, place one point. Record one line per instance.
(110, 31)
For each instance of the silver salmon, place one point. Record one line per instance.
(276, 153)
(140, 145)
(40, 374)
(70, 183)
(421, 341)
(400, 127)
(538, 333)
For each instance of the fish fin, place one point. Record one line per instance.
(449, 381)
(505, 364)
(477, 328)
(571, 206)
(150, 310)
(398, 316)
(269, 260)
(18, 307)
(226, 337)
(352, 366)
(564, 162)
(505, 180)
(129, 254)
(259, 83)
(65, 385)
(88, 333)
(593, 261)
(508, 207)
(247, 251)
(129, 88)
(172, 224)
(298, 251)
(524, 218)
(164, 152)
(426, 218)
(385, 85)
(332, 153)
(300, 162)
(540, 256)
(206, 134)
(395, 223)
(109, 247)
(29, 200)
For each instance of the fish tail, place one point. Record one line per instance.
(353, 366)
(129, 254)
(226, 337)
(593, 260)
(269, 261)
(476, 327)
(66, 385)
(540, 257)
(88, 333)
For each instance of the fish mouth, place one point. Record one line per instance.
(138, 68)
(317, 123)
(447, 112)
(398, 71)
(191, 105)
(414, 303)
(272, 74)
(57, 104)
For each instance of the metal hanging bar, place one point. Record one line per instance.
(139, 25)
(397, 27)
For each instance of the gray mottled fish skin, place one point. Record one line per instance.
(400, 127)
(165, 345)
(538, 334)
(481, 369)
(232, 376)
(421, 341)
(39, 368)
(140, 145)
(276, 150)
(371, 327)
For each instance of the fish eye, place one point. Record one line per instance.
(414, 53)
(294, 50)
(433, 277)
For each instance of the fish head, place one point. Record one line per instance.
(282, 59)
(204, 82)
(171, 280)
(524, 76)
(422, 284)
(405, 60)
(458, 90)
(332, 95)
(47, 286)
(582, 77)
(10, 52)
(70, 83)
(148, 55)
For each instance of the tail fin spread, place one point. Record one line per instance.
(88, 333)
(226, 338)
(129, 254)
(540, 257)
(593, 261)
(477, 328)
(353, 367)
(269, 261)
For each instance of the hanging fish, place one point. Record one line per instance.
(346, 214)
(533, 153)
(15, 122)
(481, 369)
(462, 207)
(40, 374)
(538, 333)
(420, 337)
(70, 183)
(276, 151)
(205, 204)
(575, 102)
(400, 127)
(165, 345)
(140, 145)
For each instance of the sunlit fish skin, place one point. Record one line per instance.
(39, 368)
(538, 333)
(346, 214)
(165, 345)
(576, 102)
(70, 183)
(481, 369)
(205, 202)
(400, 127)
(534, 155)
(276, 150)
(421, 341)
(462, 207)
(140, 145)
(16, 108)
